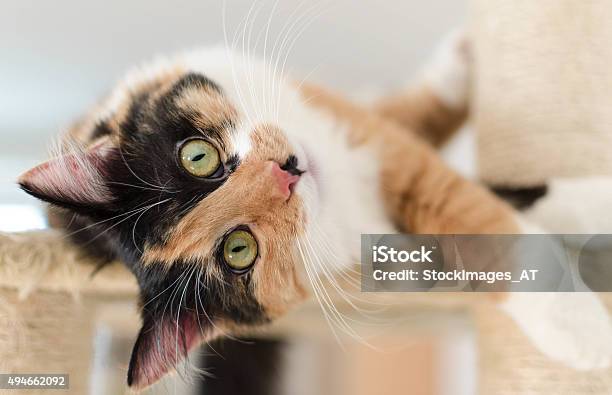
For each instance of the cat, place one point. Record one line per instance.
(212, 178)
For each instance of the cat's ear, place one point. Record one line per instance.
(77, 180)
(160, 346)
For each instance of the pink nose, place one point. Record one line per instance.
(284, 179)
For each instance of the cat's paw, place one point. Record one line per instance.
(572, 328)
(448, 72)
(558, 212)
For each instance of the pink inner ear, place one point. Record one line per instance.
(160, 347)
(75, 178)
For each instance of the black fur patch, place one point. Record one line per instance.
(228, 298)
(145, 170)
(101, 129)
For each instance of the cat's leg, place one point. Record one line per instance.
(436, 105)
(574, 328)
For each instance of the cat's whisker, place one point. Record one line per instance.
(247, 69)
(324, 243)
(291, 44)
(172, 295)
(324, 297)
(347, 297)
(237, 85)
(160, 193)
(210, 320)
(299, 88)
(102, 221)
(187, 206)
(277, 50)
(332, 272)
(119, 222)
(351, 276)
(315, 289)
(157, 187)
(266, 77)
(246, 51)
(140, 216)
(177, 331)
(340, 320)
(170, 301)
(175, 292)
(334, 318)
(190, 369)
(160, 293)
(323, 239)
(198, 300)
(163, 190)
(348, 274)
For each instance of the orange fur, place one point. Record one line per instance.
(421, 193)
(219, 111)
(423, 112)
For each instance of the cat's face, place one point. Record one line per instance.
(203, 196)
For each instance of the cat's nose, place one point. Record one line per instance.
(284, 179)
(291, 166)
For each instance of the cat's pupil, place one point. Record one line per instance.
(238, 248)
(198, 157)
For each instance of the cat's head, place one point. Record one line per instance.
(195, 181)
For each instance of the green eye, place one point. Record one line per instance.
(240, 250)
(199, 158)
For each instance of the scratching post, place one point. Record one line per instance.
(540, 111)
(51, 306)
(541, 93)
(510, 365)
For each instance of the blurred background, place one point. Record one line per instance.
(61, 56)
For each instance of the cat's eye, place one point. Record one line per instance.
(199, 157)
(240, 250)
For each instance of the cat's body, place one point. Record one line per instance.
(358, 162)
(298, 169)
(294, 169)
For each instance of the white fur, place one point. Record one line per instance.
(572, 328)
(575, 205)
(448, 72)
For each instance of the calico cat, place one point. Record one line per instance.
(211, 179)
